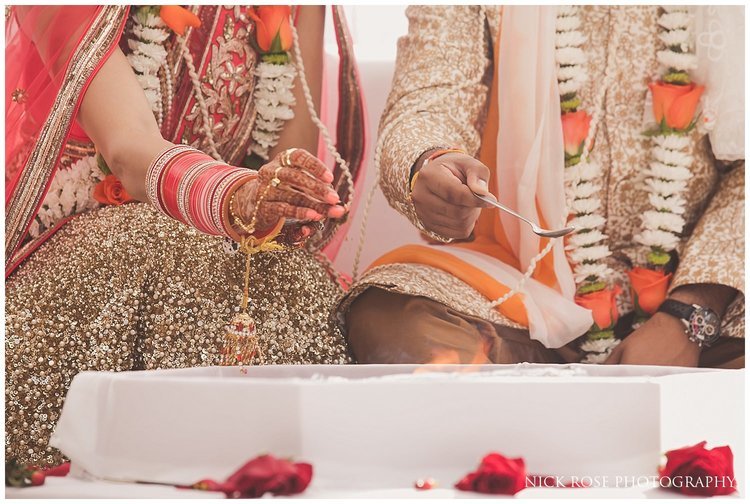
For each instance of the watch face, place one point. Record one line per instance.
(704, 325)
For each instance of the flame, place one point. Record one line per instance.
(451, 357)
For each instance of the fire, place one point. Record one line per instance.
(451, 357)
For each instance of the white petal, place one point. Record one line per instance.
(585, 190)
(675, 204)
(583, 271)
(675, 38)
(567, 10)
(671, 157)
(570, 39)
(594, 253)
(570, 56)
(668, 172)
(569, 86)
(585, 206)
(583, 239)
(582, 172)
(658, 238)
(672, 142)
(675, 20)
(599, 345)
(679, 61)
(591, 221)
(665, 221)
(572, 72)
(663, 188)
(567, 23)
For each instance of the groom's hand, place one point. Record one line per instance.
(441, 194)
(660, 341)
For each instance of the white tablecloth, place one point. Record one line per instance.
(70, 488)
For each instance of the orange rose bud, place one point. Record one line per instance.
(575, 127)
(111, 192)
(178, 18)
(648, 288)
(272, 29)
(603, 306)
(675, 104)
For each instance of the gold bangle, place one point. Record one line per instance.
(250, 228)
(236, 218)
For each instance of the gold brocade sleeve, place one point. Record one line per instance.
(438, 97)
(715, 252)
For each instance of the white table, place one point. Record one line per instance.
(70, 488)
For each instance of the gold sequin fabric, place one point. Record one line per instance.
(124, 288)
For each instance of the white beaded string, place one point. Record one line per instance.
(346, 177)
(596, 117)
(195, 79)
(346, 174)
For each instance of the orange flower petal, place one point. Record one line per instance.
(262, 35)
(575, 130)
(275, 21)
(178, 18)
(649, 287)
(682, 111)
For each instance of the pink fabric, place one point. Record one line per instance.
(530, 156)
(332, 249)
(39, 43)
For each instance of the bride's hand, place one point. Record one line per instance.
(304, 192)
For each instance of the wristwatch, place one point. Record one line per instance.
(702, 325)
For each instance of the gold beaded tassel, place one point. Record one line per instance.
(241, 342)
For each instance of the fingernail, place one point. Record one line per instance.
(327, 176)
(482, 183)
(331, 198)
(336, 211)
(305, 231)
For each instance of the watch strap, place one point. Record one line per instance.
(677, 309)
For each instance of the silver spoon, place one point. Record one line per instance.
(547, 233)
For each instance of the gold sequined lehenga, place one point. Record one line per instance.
(125, 288)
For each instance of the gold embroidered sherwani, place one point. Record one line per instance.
(440, 97)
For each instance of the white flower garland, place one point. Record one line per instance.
(71, 191)
(274, 100)
(669, 168)
(587, 247)
(667, 174)
(148, 55)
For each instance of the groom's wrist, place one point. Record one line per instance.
(714, 296)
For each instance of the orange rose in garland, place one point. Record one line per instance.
(675, 105)
(273, 33)
(648, 288)
(575, 127)
(110, 191)
(273, 39)
(178, 18)
(603, 306)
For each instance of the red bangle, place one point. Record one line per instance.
(193, 188)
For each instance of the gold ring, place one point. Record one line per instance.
(286, 157)
(275, 181)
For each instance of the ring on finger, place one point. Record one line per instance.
(286, 157)
(275, 181)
